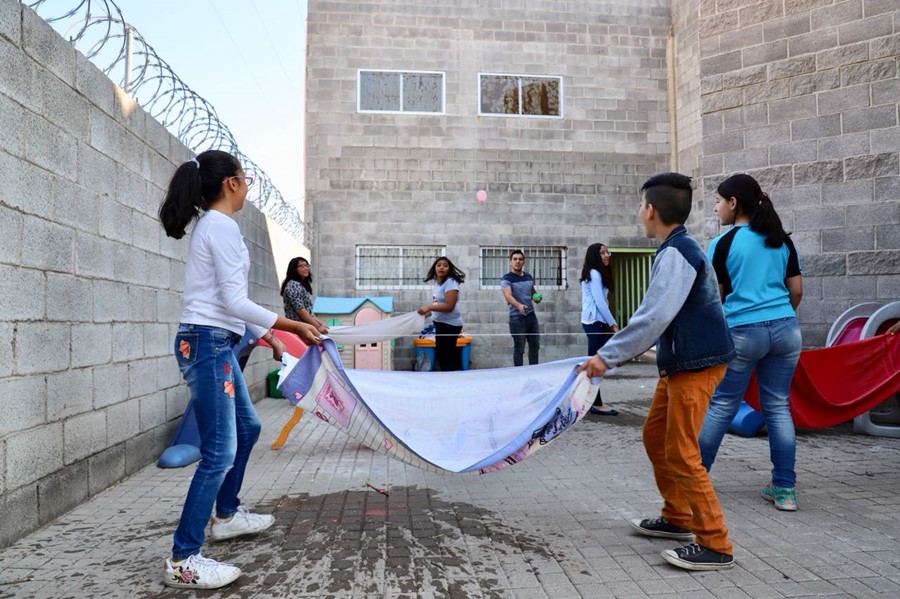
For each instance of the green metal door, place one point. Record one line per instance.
(631, 276)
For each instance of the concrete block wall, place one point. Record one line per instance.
(396, 179)
(804, 95)
(89, 283)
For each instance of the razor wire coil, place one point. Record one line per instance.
(98, 29)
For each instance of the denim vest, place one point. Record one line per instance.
(698, 336)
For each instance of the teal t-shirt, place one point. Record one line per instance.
(755, 274)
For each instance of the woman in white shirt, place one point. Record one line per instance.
(445, 313)
(211, 188)
(596, 319)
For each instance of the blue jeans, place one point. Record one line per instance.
(228, 427)
(598, 333)
(524, 329)
(772, 349)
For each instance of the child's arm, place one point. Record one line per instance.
(670, 283)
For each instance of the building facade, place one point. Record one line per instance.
(468, 129)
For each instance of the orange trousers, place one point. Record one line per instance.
(670, 438)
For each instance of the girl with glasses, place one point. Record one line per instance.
(210, 189)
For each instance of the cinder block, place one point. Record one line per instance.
(153, 410)
(69, 298)
(47, 246)
(158, 342)
(7, 330)
(47, 48)
(110, 384)
(787, 27)
(94, 256)
(763, 137)
(64, 107)
(865, 29)
(91, 344)
(11, 234)
(871, 166)
(849, 240)
(824, 170)
(143, 304)
(22, 293)
(793, 153)
(177, 399)
(812, 42)
(131, 191)
(764, 53)
(141, 376)
(106, 468)
(867, 119)
(888, 286)
(33, 454)
(860, 215)
(157, 274)
(842, 146)
(836, 14)
(69, 393)
(887, 189)
(62, 490)
(168, 305)
(842, 55)
(83, 436)
(869, 72)
(11, 29)
(111, 302)
(19, 508)
(32, 341)
(129, 265)
(792, 109)
(23, 403)
(11, 123)
(123, 421)
(145, 448)
(23, 185)
(873, 263)
(821, 81)
(109, 137)
(74, 206)
(128, 342)
(816, 127)
(884, 47)
(98, 173)
(93, 84)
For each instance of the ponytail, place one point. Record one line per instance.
(756, 205)
(194, 185)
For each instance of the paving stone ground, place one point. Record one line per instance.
(554, 526)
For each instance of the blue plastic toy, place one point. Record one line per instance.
(747, 422)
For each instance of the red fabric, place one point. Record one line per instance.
(835, 384)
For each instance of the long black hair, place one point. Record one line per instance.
(195, 184)
(755, 204)
(454, 273)
(593, 261)
(292, 275)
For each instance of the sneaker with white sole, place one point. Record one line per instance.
(660, 527)
(784, 498)
(695, 557)
(198, 572)
(242, 522)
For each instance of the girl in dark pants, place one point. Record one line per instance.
(596, 318)
(444, 312)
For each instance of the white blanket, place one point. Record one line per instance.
(377, 331)
(467, 421)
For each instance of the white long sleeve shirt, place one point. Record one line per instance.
(215, 279)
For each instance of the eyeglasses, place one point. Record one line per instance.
(303, 266)
(248, 179)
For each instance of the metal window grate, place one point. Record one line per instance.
(393, 267)
(547, 264)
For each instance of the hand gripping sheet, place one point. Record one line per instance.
(467, 421)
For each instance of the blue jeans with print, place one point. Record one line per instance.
(228, 427)
(772, 349)
(524, 329)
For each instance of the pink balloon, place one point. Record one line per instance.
(481, 196)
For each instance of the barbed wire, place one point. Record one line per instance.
(98, 29)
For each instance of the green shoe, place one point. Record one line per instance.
(785, 499)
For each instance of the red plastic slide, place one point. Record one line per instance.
(834, 384)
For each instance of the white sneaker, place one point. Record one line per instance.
(243, 522)
(198, 572)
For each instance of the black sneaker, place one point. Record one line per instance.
(695, 557)
(660, 527)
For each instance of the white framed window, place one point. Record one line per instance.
(535, 96)
(410, 92)
(395, 267)
(546, 263)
